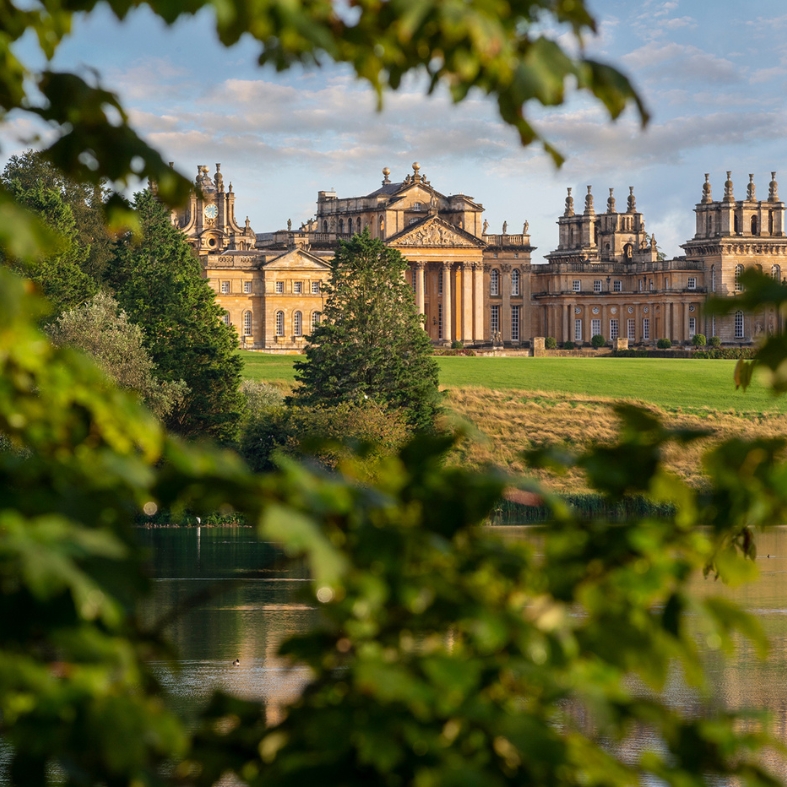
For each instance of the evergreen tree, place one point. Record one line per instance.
(157, 282)
(371, 343)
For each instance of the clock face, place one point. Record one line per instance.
(211, 211)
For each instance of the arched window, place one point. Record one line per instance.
(515, 282)
(341, 226)
(280, 323)
(738, 272)
(315, 319)
(494, 282)
(570, 235)
(247, 323)
(753, 225)
(226, 318)
(710, 224)
(713, 278)
(325, 226)
(735, 225)
(297, 324)
(738, 325)
(776, 272)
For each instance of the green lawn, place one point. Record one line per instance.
(667, 383)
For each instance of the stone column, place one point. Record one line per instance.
(505, 317)
(420, 294)
(448, 333)
(566, 323)
(467, 301)
(478, 301)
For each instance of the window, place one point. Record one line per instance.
(414, 220)
(576, 285)
(645, 329)
(416, 206)
(414, 280)
(297, 287)
(595, 327)
(226, 318)
(247, 323)
(225, 287)
(650, 285)
(279, 287)
(738, 272)
(280, 323)
(515, 282)
(315, 319)
(315, 288)
(617, 286)
(712, 326)
(738, 325)
(713, 278)
(325, 226)
(247, 287)
(494, 282)
(692, 285)
(341, 226)
(641, 285)
(439, 282)
(577, 330)
(597, 285)
(631, 330)
(297, 324)
(515, 323)
(776, 272)
(495, 320)
(350, 226)
(439, 320)
(770, 222)
(613, 329)
(754, 225)
(692, 327)
(735, 225)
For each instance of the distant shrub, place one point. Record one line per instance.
(663, 344)
(550, 343)
(699, 340)
(457, 345)
(715, 341)
(448, 351)
(598, 341)
(568, 345)
(727, 353)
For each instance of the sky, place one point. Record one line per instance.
(713, 76)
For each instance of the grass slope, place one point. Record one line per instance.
(670, 384)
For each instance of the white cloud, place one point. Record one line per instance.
(676, 63)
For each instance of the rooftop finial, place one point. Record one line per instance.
(611, 201)
(386, 173)
(773, 189)
(751, 194)
(706, 195)
(219, 179)
(416, 168)
(569, 204)
(589, 202)
(728, 195)
(632, 201)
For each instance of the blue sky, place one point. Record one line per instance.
(713, 74)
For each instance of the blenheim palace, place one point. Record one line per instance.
(605, 276)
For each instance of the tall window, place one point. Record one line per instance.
(315, 288)
(738, 325)
(631, 330)
(414, 280)
(494, 282)
(515, 323)
(297, 324)
(225, 287)
(279, 287)
(712, 326)
(738, 272)
(297, 287)
(495, 320)
(515, 282)
(613, 329)
(350, 226)
(692, 285)
(576, 285)
(439, 282)
(735, 224)
(439, 320)
(247, 287)
(776, 272)
(226, 318)
(770, 222)
(341, 226)
(617, 286)
(595, 327)
(645, 329)
(713, 278)
(315, 319)
(280, 323)
(692, 327)
(597, 285)
(753, 225)
(577, 330)
(247, 323)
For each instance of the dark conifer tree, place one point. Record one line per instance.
(371, 342)
(157, 282)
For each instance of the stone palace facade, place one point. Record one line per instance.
(605, 276)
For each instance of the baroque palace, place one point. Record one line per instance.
(605, 276)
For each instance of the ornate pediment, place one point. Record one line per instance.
(435, 233)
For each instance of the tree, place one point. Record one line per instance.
(370, 343)
(157, 282)
(99, 329)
